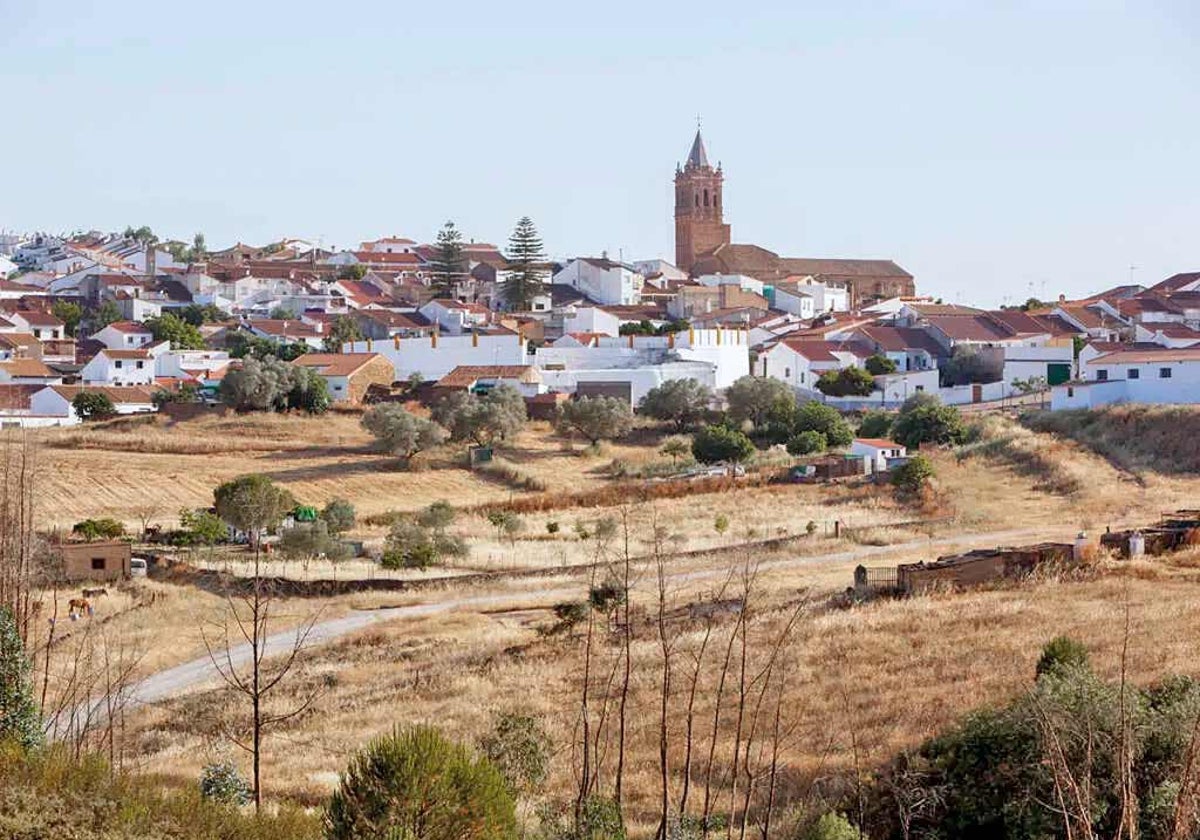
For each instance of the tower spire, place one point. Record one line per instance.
(698, 156)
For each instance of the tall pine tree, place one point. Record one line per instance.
(19, 719)
(526, 266)
(449, 266)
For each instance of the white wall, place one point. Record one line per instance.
(641, 379)
(434, 360)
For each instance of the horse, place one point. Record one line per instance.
(94, 593)
(77, 607)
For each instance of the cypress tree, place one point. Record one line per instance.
(448, 266)
(19, 719)
(526, 266)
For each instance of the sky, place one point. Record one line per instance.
(993, 149)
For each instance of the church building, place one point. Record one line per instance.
(703, 243)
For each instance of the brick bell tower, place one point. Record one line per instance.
(699, 225)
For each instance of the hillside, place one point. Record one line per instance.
(1133, 437)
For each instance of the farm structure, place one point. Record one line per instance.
(101, 560)
(974, 568)
(1172, 531)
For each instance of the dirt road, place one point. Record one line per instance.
(176, 680)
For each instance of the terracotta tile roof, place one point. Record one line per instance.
(38, 319)
(900, 339)
(450, 303)
(1177, 281)
(389, 318)
(18, 339)
(130, 327)
(879, 443)
(942, 309)
(464, 376)
(386, 258)
(814, 351)
(1160, 354)
(1177, 331)
(336, 364)
(26, 368)
(1144, 304)
(285, 329)
(1089, 318)
(140, 353)
(970, 327)
(118, 394)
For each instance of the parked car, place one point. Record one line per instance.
(137, 567)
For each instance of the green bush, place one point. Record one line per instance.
(20, 722)
(806, 443)
(813, 416)
(1063, 652)
(847, 382)
(519, 748)
(924, 419)
(875, 424)
(831, 827)
(878, 365)
(415, 783)
(99, 529)
(715, 444)
(221, 782)
(914, 475)
(93, 405)
(339, 515)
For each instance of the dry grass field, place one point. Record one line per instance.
(862, 682)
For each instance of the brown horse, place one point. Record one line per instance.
(78, 607)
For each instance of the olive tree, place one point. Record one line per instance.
(681, 402)
(752, 398)
(596, 418)
(401, 432)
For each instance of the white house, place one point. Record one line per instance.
(27, 372)
(809, 296)
(659, 273)
(454, 316)
(800, 361)
(877, 452)
(602, 280)
(123, 367)
(124, 335)
(41, 325)
(7, 267)
(1167, 335)
(1162, 376)
(526, 379)
(590, 319)
(55, 401)
(743, 282)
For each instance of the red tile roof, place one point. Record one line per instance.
(464, 376)
(337, 364)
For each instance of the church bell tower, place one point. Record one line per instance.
(699, 222)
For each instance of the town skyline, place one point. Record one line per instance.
(1022, 154)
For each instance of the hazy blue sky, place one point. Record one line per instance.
(984, 146)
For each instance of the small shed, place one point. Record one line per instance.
(877, 453)
(101, 560)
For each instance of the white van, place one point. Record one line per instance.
(137, 566)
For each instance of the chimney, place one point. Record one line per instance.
(151, 261)
(1062, 298)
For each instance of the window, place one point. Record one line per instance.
(1070, 392)
(140, 365)
(1102, 375)
(1164, 373)
(787, 373)
(1134, 373)
(920, 387)
(118, 364)
(98, 564)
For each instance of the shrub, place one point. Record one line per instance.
(879, 365)
(714, 444)
(913, 476)
(568, 614)
(93, 405)
(272, 384)
(1062, 652)
(416, 783)
(552, 527)
(415, 545)
(400, 432)
(924, 419)
(19, 719)
(968, 364)
(339, 515)
(752, 399)
(806, 443)
(831, 827)
(681, 402)
(252, 504)
(875, 424)
(506, 523)
(596, 418)
(200, 527)
(847, 382)
(307, 540)
(484, 420)
(813, 416)
(675, 448)
(721, 523)
(221, 782)
(519, 748)
(99, 529)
